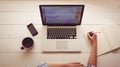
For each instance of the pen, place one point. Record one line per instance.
(91, 33)
(97, 32)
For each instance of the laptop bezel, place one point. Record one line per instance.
(44, 23)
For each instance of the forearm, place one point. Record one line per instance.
(56, 65)
(93, 56)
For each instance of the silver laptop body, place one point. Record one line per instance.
(61, 31)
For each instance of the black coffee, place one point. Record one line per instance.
(27, 42)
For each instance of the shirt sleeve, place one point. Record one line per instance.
(43, 65)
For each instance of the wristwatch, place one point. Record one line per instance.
(43, 65)
(90, 66)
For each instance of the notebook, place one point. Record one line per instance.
(108, 38)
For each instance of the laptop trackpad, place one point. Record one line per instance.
(60, 45)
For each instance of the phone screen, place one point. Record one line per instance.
(32, 29)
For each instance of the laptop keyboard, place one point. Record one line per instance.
(61, 33)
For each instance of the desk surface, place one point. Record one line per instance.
(16, 15)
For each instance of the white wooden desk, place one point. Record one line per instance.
(16, 15)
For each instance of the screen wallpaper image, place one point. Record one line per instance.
(62, 15)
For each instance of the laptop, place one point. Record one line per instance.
(59, 32)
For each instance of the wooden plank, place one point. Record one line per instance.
(21, 31)
(19, 17)
(18, 31)
(34, 59)
(19, 12)
(17, 5)
(15, 15)
(95, 12)
(14, 46)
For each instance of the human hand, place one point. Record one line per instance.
(93, 38)
(74, 64)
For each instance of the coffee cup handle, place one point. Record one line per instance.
(22, 48)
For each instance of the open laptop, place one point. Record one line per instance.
(60, 27)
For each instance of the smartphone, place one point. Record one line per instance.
(32, 29)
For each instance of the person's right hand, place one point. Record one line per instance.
(74, 64)
(93, 38)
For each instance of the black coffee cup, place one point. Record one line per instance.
(27, 43)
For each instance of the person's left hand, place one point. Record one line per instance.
(74, 64)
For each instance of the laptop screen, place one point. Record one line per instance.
(61, 14)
